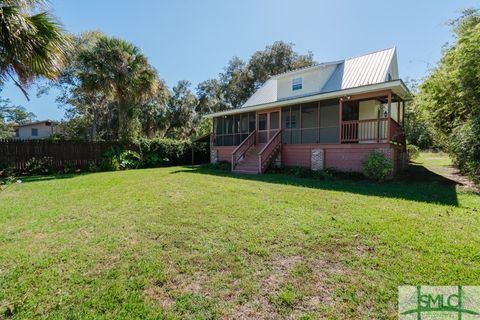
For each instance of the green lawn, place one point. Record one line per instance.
(192, 243)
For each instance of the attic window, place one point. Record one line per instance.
(389, 77)
(297, 84)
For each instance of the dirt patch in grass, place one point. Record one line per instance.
(305, 281)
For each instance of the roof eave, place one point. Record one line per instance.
(398, 85)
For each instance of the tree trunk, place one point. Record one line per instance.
(123, 121)
(94, 125)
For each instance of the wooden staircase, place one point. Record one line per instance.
(251, 158)
(249, 163)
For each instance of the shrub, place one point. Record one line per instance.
(413, 151)
(38, 166)
(221, 165)
(302, 172)
(129, 159)
(376, 166)
(164, 152)
(464, 147)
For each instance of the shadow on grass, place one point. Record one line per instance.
(28, 179)
(417, 183)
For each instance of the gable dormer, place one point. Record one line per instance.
(304, 81)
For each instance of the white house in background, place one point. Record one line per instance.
(34, 130)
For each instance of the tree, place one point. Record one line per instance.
(450, 96)
(416, 126)
(153, 113)
(11, 115)
(31, 44)
(118, 68)
(181, 117)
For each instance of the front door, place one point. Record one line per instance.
(268, 124)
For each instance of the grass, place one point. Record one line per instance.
(193, 243)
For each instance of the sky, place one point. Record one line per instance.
(194, 39)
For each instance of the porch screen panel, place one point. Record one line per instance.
(251, 121)
(218, 124)
(329, 121)
(295, 125)
(286, 132)
(233, 129)
(228, 138)
(309, 121)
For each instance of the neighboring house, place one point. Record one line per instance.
(327, 116)
(34, 130)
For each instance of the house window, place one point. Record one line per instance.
(297, 84)
(34, 132)
(17, 133)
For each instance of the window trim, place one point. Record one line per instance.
(36, 132)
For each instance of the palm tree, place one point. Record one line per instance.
(32, 43)
(119, 70)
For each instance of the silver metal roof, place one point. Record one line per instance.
(372, 68)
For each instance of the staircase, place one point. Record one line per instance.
(249, 163)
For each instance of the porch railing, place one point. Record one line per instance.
(268, 154)
(397, 135)
(242, 148)
(372, 130)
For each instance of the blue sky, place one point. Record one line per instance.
(194, 40)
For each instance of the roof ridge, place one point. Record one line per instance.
(369, 53)
(330, 62)
(316, 65)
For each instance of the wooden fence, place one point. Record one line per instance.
(72, 154)
(80, 154)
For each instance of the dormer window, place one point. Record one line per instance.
(297, 84)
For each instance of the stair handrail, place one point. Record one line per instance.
(242, 148)
(265, 155)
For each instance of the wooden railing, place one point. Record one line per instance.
(267, 155)
(242, 148)
(397, 135)
(374, 130)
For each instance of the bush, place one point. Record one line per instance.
(413, 151)
(464, 147)
(221, 165)
(302, 172)
(151, 153)
(38, 166)
(164, 152)
(129, 159)
(376, 166)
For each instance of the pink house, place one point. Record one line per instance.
(327, 116)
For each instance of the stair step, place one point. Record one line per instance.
(245, 171)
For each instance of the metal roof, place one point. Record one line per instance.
(371, 68)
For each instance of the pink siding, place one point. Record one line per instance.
(225, 153)
(342, 157)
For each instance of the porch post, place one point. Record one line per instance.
(403, 113)
(389, 115)
(398, 109)
(340, 121)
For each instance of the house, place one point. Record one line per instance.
(331, 115)
(34, 130)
